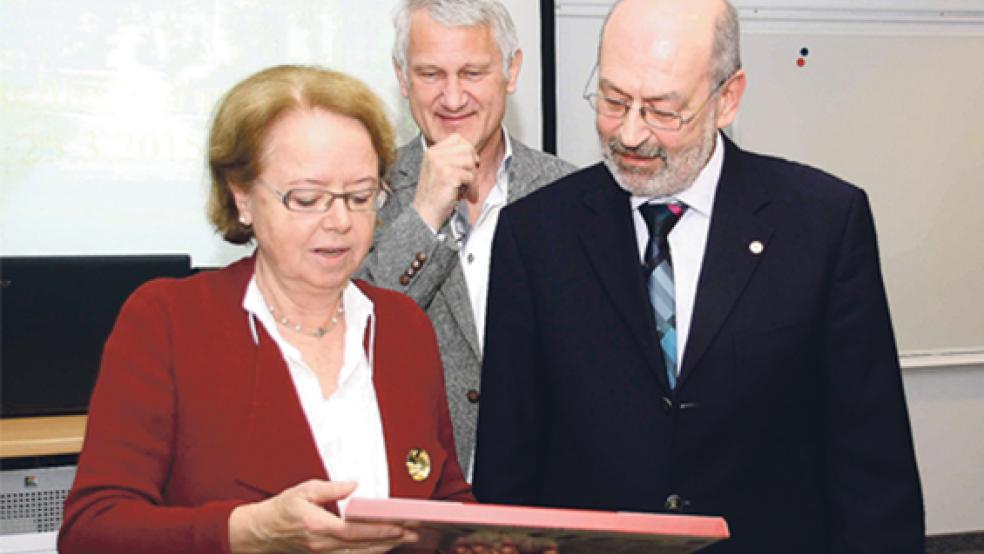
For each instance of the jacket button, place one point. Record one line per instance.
(416, 264)
(421, 257)
(404, 280)
(473, 396)
(674, 503)
(666, 404)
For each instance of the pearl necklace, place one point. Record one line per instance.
(317, 332)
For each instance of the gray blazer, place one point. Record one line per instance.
(408, 257)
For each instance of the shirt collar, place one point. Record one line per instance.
(500, 191)
(700, 195)
(502, 174)
(358, 310)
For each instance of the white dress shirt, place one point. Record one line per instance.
(475, 241)
(346, 426)
(687, 239)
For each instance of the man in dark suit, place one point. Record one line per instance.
(740, 363)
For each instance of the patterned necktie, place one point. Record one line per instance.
(658, 272)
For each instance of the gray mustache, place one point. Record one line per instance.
(643, 150)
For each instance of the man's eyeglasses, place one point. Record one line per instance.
(618, 108)
(316, 200)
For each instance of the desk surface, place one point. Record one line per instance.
(30, 543)
(41, 436)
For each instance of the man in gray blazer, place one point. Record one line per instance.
(456, 63)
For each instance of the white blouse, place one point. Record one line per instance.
(346, 426)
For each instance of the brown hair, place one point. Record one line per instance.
(250, 108)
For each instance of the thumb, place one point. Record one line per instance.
(322, 492)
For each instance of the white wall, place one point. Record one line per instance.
(104, 108)
(524, 116)
(946, 406)
(886, 101)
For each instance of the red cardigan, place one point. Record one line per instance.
(190, 418)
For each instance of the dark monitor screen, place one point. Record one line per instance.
(57, 312)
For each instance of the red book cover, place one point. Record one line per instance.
(443, 524)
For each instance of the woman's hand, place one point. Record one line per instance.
(295, 521)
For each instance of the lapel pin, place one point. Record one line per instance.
(756, 247)
(418, 464)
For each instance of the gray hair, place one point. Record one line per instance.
(726, 51)
(457, 13)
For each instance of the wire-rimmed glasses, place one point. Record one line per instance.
(664, 120)
(318, 200)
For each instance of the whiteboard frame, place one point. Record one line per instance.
(948, 18)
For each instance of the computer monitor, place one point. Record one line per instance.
(57, 312)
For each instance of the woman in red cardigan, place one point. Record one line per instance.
(237, 410)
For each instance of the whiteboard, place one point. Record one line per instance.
(888, 100)
(105, 104)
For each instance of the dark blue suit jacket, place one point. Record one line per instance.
(788, 418)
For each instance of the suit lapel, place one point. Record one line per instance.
(455, 292)
(404, 420)
(403, 175)
(606, 231)
(728, 258)
(278, 450)
(524, 173)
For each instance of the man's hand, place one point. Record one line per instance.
(447, 174)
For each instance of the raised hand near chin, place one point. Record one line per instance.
(447, 174)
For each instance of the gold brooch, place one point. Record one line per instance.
(418, 464)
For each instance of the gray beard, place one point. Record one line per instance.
(676, 174)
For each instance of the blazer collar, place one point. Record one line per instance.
(607, 234)
(525, 171)
(730, 258)
(405, 422)
(405, 171)
(278, 449)
(455, 292)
